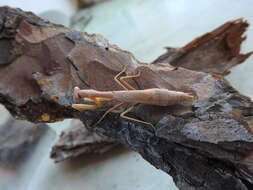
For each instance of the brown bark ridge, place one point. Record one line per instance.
(215, 52)
(204, 145)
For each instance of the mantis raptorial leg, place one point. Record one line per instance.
(98, 103)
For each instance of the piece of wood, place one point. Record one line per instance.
(214, 52)
(18, 141)
(204, 145)
(78, 140)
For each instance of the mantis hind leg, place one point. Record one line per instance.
(123, 115)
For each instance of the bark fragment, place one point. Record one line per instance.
(215, 52)
(79, 140)
(18, 140)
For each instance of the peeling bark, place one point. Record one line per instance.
(215, 52)
(203, 145)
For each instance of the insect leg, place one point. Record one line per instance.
(97, 104)
(118, 81)
(108, 111)
(122, 79)
(123, 115)
(81, 107)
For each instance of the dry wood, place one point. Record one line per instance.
(78, 140)
(204, 145)
(18, 141)
(214, 52)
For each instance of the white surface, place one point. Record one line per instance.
(111, 171)
(143, 27)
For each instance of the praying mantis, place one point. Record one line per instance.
(130, 95)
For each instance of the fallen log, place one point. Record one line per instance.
(206, 144)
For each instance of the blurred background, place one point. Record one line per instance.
(143, 27)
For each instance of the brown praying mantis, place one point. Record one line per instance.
(130, 95)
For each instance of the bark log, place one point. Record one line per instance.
(205, 145)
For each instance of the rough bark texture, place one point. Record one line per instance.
(214, 52)
(79, 140)
(18, 139)
(205, 145)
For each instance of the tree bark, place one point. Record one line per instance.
(204, 145)
(78, 140)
